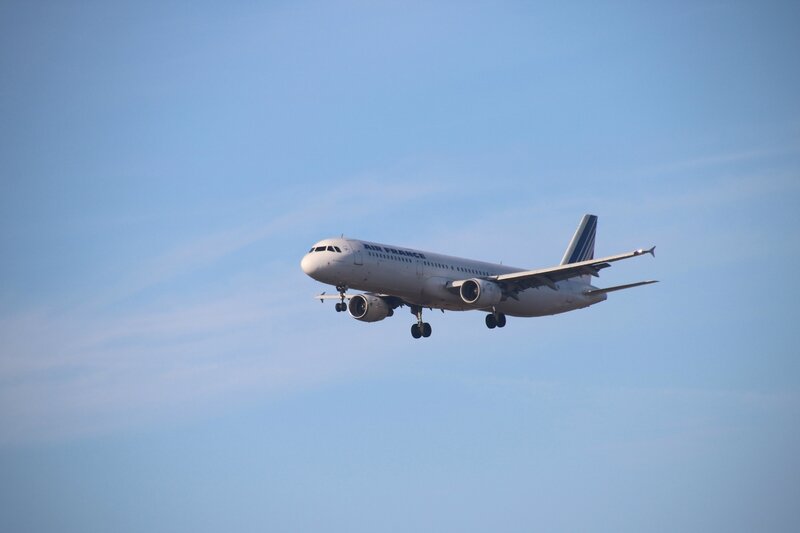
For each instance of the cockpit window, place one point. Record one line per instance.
(330, 249)
(319, 249)
(339, 250)
(311, 250)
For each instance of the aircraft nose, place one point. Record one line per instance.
(308, 265)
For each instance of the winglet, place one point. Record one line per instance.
(642, 251)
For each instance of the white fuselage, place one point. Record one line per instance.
(421, 278)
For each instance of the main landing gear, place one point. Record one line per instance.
(420, 329)
(341, 306)
(495, 320)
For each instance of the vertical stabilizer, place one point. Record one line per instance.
(581, 247)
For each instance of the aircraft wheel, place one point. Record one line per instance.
(501, 320)
(340, 307)
(491, 323)
(426, 330)
(415, 332)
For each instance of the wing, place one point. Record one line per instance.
(393, 301)
(322, 297)
(527, 279)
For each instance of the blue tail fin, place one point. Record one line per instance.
(581, 247)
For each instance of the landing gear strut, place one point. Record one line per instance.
(341, 306)
(420, 329)
(495, 320)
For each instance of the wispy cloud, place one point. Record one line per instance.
(98, 366)
(69, 374)
(700, 417)
(721, 159)
(361, 196)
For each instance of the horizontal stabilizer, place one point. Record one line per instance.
(620, 287)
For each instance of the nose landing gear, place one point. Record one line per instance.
(341, 306)
(420, 329)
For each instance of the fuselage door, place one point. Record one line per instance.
(357, 257)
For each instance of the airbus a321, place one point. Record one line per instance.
(395, 276)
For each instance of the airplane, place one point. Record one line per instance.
(396, 276)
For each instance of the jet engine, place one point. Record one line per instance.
(480, 293)
(369, 308)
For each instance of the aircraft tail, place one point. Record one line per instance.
(581, 247)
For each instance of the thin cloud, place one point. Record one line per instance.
(95, 373)
(69, 372)
(82, 370)
(720, 159)
(361, 196)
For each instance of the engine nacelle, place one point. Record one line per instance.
(480, 293)
(369, 308)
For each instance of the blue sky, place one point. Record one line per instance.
(164, 166)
